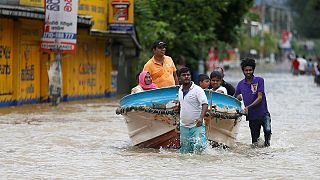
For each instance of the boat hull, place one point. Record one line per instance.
(222, 131)
(150, 130)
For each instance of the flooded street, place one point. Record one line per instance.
(87, 140)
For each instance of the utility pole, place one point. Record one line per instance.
(288, 21)
(273, 20)
(262, 29)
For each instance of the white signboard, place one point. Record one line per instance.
(60, 29)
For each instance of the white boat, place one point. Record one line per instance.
(151, 117)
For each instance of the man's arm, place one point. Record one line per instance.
(175, 77)
(239, 97)
(238, 92)
(255, 102)
(202, 115)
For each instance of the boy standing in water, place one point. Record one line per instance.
(254, 98)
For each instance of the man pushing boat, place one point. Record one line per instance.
(253, 94)
(194, 104)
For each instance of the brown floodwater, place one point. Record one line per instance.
(87, 140)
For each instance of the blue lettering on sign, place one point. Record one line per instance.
(59, 35)
(53, 5)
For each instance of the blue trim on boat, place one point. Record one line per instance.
(165, 95)
(150, 97)
(222, 100)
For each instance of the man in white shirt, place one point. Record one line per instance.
(302, 65)
(194, 104)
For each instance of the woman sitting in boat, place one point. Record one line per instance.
(145, 83)
(215, 81)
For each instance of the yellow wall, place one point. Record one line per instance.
(6, 58)
(35, 3)
(98, 9)
(85, 72)
(108, 75)
(44, 83)
(28, 58)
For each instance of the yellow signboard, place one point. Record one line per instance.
(34, 3)
(98, 9)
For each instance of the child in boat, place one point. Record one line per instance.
(204, 81)
(216, 80)
(145, 83)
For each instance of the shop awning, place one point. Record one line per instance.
(34, 13)
(129, 39)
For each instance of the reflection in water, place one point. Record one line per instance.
(87, 140)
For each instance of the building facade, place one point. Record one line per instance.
(106, 45)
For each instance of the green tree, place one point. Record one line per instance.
(189, 26)
(306, 17)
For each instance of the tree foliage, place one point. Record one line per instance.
(190, 27)
(306, 17)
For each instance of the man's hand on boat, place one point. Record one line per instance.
(246, 110)
(199, 121)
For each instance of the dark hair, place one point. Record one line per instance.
(202, 77)
(216, 74)
(183, 70)
(248, 62)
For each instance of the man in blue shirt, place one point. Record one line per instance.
(252, 90)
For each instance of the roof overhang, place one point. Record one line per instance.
(129, 39)
(35, 13)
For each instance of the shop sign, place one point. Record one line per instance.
(60, 29)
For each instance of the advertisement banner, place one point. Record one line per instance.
(285, 42)
(60, 29)
(121, 15)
